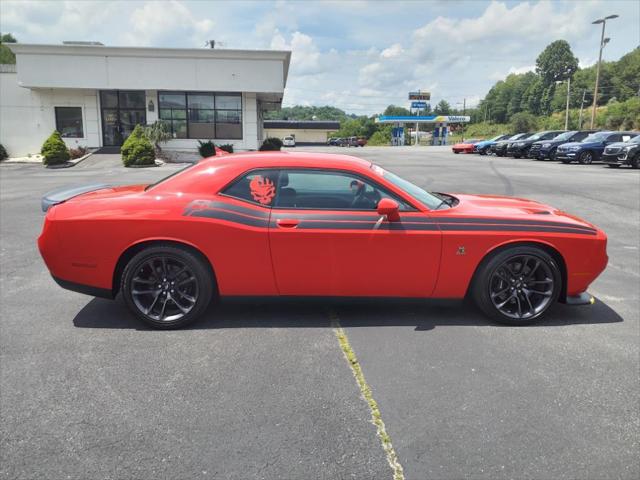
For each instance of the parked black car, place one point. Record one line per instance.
(546, 149)
(623, 153)
(500, 148)
(591, 148)
(520, 148)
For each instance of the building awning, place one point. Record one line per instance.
(136, 68)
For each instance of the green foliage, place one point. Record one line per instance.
(379, 138)
(524, 122)
(206, 149)
(227, 147)
(137, 149)
(3, 152)
(300, 112)
(271, 144)
(442, 108)
(54, 151)
(486, 130)
(395, 111)
(158, 132)
(539, 95)
(6, 55)
(556, 62)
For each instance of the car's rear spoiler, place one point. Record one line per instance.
(63, 194)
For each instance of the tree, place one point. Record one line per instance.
(556, 62)
(6, 55)
(442, 108)
(524, 122)
(395, 111)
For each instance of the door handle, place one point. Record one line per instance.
(287, 222)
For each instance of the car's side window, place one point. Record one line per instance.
(257, 186)
(578, 137)
(626, 138)
(325, 190)
(613, 138)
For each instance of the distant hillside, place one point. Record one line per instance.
(299, 112)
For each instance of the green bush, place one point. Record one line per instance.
(227, 147)
(3, 152)
(524, 122)
(271, 144)
(137, 149)
(206, 149)
(378, 138)
(54, 151)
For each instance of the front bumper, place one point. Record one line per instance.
(583, 298)
(615, 159)
(564, 156)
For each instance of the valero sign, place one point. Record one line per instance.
(419, 95)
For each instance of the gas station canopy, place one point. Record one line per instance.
(423, 119)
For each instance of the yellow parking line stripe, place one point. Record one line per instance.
(367, 394)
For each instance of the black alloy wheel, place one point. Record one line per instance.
(167, 286)
(586, 158)
(518, 285)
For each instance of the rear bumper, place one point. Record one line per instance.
(85, 289)
(583, 298)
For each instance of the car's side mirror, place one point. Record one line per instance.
(389, 208)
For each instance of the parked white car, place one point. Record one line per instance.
(289, 141)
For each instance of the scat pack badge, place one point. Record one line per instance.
(262, 190)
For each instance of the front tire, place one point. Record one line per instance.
(167, 286)
(586, 158)
(517, 286)
(613, 165)
(552, 154)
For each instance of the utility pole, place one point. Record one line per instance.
(464, 112)
(566, 115)
(584, 92)
(603, 42)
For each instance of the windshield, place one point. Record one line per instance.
(597, 137)
(634, 140)
(496, 138)
(518, 136)
(565, 135)
(537, 136)
(418, 193)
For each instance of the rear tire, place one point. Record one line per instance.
(167, 287)
(517, 286)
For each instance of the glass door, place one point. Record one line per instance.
(121, 111)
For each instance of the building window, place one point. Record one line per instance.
(200, 115)
(69, 122)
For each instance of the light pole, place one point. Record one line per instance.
(566, 115)
(603, 42)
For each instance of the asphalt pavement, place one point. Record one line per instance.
(262, 390)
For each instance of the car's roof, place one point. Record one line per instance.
(290, 159)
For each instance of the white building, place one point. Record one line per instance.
(95, 95)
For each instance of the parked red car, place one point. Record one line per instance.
(295, 224)
(465, 147)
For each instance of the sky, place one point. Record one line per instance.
(357, 55)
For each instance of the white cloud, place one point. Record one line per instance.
(305, 56)
(394, 50)
(156, 21)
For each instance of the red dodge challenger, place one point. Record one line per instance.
(296, 224)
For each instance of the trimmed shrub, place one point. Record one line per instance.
(78, 152)
(378, 138)
(137, 149)
(227, 147)
(206, 149)
(3, 152)
(271, 144)
(54, 151)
